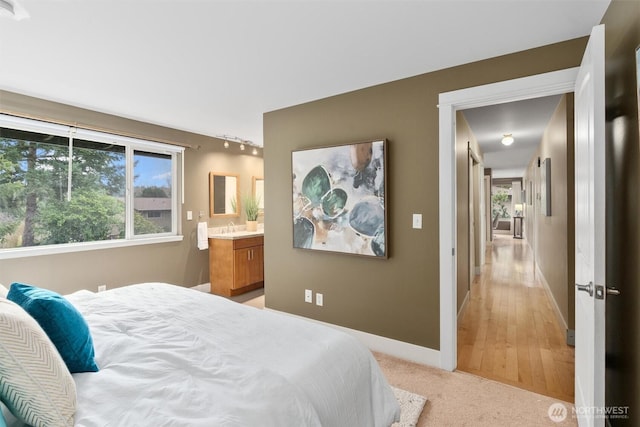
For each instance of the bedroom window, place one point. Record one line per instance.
(64, 189)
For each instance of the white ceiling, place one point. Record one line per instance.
(525, 120)
(214, 67)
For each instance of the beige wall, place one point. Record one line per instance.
(464, 140)
(180, 262)
(398, 297)
(622, 33)
(554, 248)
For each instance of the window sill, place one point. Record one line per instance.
(81, 247)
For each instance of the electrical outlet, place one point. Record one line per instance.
(102, 288)
(308, 295)
(319, 299)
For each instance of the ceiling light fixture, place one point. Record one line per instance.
(507, 139)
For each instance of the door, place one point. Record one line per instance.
(472, 225)
(590, 232)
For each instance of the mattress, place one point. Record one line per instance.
(171, 356)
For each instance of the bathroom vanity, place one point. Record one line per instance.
(236, 262)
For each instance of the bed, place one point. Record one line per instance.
(171, 356)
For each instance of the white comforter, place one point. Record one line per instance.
(171, 356)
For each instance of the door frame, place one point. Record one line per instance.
(552, 83)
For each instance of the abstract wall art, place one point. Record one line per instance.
(339, 198)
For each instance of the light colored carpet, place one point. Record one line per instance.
(461, 399)
(411, 406)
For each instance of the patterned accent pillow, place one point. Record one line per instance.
(35, 384)
(62, 322)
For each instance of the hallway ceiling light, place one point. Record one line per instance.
(507, 139)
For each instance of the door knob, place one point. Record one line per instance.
(586, 288)
(599, 290)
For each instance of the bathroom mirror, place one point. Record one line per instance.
(258, 191)
(224, 196)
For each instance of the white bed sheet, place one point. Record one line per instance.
(171, 356)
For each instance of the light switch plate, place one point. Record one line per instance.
(319, 300)
(189, 215)
(417, 221)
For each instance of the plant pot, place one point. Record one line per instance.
(252, 225)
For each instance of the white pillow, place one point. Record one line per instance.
(36, 384)
(3, 291)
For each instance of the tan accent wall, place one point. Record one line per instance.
(464, 140)
(399, 297)
(555, 246)
(622, 35)
(179, 263)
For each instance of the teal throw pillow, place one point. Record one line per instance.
(62, 322)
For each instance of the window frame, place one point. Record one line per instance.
(131, 145)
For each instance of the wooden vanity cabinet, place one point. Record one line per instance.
(236, 265)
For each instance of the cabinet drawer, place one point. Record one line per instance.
(248, 242)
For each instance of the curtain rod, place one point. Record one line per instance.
(96, 128)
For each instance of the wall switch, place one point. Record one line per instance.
(417, 220)
(189, 215)
(308, 295)
(102, 288)
(319, 299)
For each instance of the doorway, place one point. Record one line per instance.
(513, 90)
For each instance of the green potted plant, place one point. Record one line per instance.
(251, 205)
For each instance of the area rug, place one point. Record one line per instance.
(411, 406)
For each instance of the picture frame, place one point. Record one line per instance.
(545, 187)
(638, 80)
(339, 198)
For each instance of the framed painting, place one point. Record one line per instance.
(638, 79)
(545, 187)
(339, 195)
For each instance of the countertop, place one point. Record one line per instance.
(242, 234)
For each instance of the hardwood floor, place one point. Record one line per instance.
(509, 331)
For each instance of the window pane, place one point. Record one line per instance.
(152, 193)
(98, 189)
(33, 174)
(35, 208)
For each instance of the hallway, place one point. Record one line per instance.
(509, 332)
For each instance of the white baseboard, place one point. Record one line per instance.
(390, 346)
(547, 289)
(205, 287)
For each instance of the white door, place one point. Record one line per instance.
(590, 233)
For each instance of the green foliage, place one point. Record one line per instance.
(499, 202)
(142, 225)
(88, 216)
(251, 206)
(154, 192)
